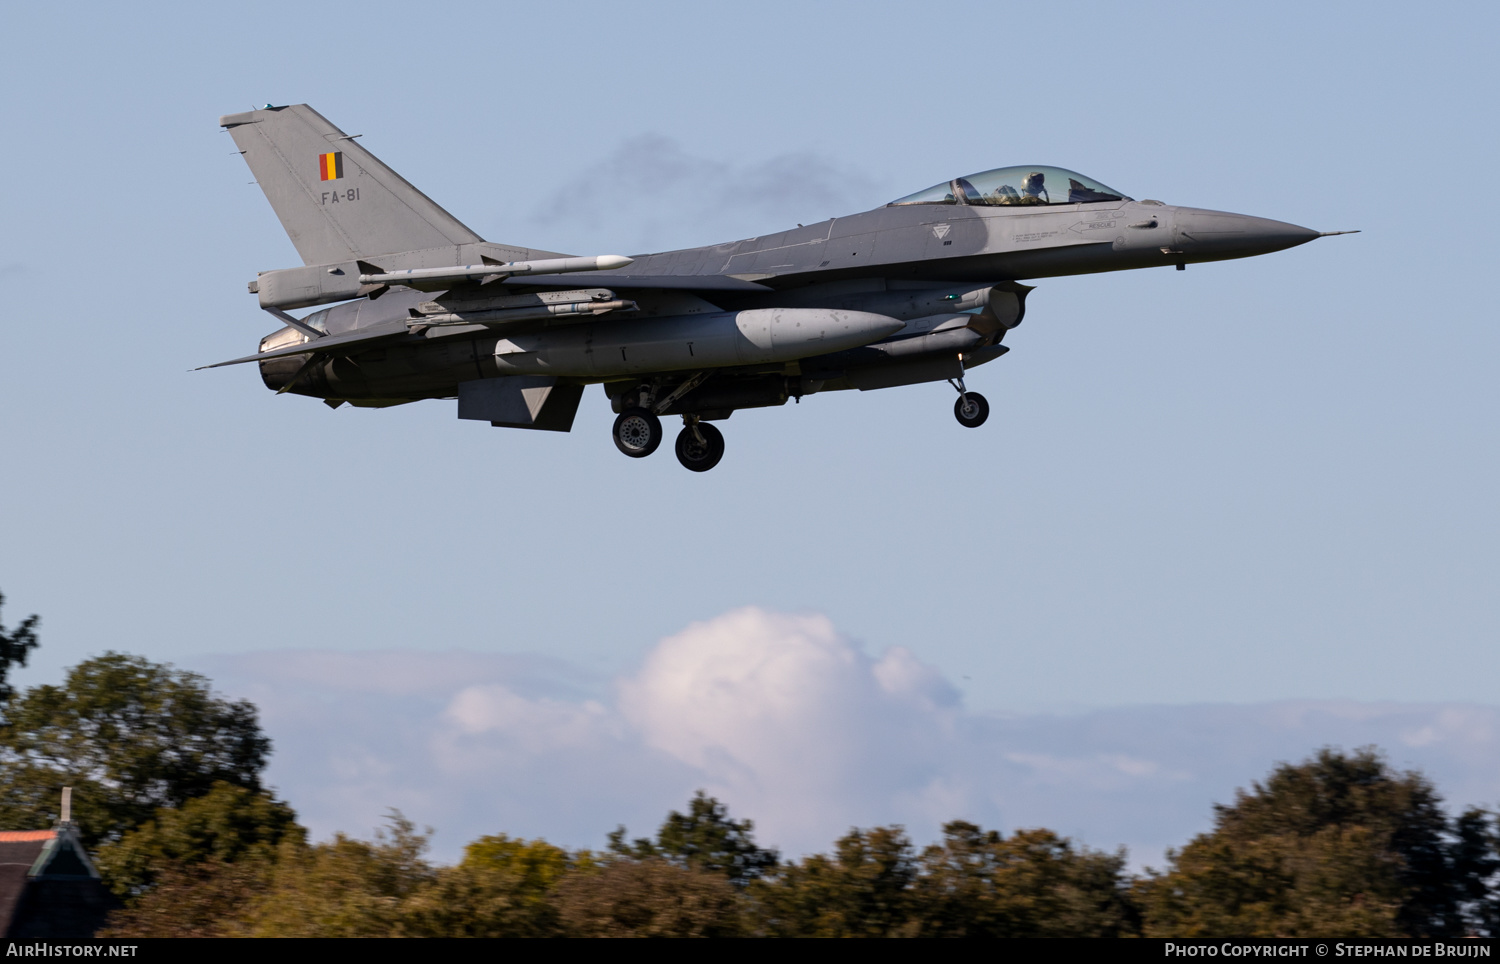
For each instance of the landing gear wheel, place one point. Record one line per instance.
(700, 456)
(637, 432)
(971, 409)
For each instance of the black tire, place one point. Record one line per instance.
(971, 409)
(637, 433)
(700, 458)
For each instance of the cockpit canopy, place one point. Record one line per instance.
(1007, 186)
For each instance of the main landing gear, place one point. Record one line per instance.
(699, 445)
(971, 409)
(638, 433)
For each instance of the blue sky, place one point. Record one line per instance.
(1251, 481)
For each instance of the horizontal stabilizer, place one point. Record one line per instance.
(341, 342)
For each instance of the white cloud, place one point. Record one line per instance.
(793, 725)
(790, 720)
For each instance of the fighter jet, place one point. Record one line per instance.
(923, 289)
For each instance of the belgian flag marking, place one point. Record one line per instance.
(331, 166)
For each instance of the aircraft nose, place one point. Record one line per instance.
(1237, 235)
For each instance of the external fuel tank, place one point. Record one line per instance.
(688, 342)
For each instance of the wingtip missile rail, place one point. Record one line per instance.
(464, 272)
(322, 284)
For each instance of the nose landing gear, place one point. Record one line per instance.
(972, 408)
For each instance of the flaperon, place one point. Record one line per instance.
(922, 289)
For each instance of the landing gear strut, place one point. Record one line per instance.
(971, 409)
(700, 446)
(637, 432)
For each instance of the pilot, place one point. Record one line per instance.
(1005, 194)
(1034, 189)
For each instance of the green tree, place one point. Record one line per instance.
(704, 838)
(1476, 865)
(130, 737)
(15, 646)
(524, 871)
(979, 883)
(863, 890)
(343, 888)
(355, 888)
(207, 899)
(227, 825)
(536, 862)
(1340, 845)
(649, 897)
(466, 901)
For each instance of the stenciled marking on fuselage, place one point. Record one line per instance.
(335, 197)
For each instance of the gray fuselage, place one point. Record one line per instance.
(922, 264)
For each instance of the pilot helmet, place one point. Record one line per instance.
(1033, 183)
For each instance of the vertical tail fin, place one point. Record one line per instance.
(335, 199)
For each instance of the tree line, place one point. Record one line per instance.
(167, 790)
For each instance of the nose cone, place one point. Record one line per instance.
(1218, 234)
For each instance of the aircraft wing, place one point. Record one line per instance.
(395, 329)
(359, 336)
